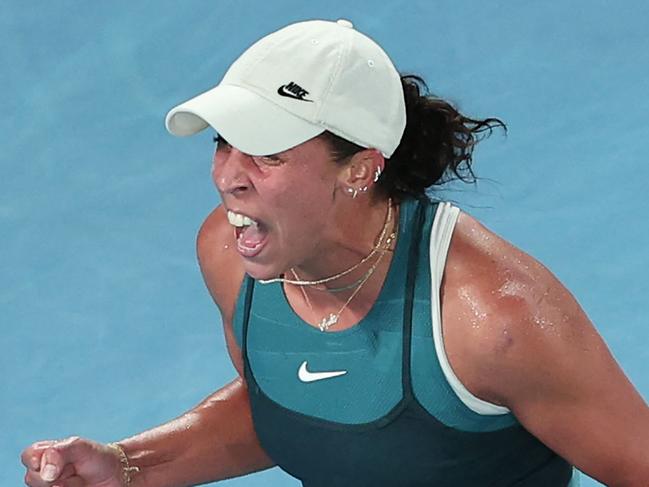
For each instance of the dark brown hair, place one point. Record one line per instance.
(436, 147)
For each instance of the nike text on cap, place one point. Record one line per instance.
(294, 84)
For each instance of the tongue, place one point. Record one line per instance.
(252, 235)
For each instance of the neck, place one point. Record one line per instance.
(357, 230)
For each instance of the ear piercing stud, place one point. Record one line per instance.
(377, 173)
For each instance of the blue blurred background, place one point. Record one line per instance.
(106, 326)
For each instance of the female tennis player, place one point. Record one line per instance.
(381, 338)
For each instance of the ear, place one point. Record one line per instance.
(360, 173)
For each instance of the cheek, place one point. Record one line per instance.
(308, 199)
(301, 201)
(304, 213)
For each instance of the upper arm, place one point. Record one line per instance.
(540, 356)
(562, 383)
(222, 272)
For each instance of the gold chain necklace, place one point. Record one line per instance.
(375, 249)
(385, 247)
(329, 321)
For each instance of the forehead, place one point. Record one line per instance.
(314, 147)
(313, 150)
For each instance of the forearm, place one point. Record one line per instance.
(213, 441)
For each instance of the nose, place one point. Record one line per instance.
(229, 171)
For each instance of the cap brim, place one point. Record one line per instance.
(248, 121)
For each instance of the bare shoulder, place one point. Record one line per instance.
(504, 313)
(515, 336)
(222, 271)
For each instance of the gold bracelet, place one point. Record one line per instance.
(127, 470)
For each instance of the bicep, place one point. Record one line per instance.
(563, 384)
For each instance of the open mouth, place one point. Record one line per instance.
(251, 235)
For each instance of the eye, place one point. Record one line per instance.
(271, 160)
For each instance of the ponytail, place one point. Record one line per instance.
(436, 146)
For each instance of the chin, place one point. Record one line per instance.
(262, 271)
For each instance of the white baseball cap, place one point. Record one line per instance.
(297, 82)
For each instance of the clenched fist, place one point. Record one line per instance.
(72, 462)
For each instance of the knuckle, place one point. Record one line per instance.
(42, 444)
(34, 447)
(67, 442)
(71, 440)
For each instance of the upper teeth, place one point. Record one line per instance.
(239, 220)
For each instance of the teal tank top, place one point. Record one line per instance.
(388, 416)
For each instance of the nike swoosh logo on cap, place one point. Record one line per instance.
(305, 376)
(283, 91)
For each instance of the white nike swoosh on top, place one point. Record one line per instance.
(285, 92)
(306, 376)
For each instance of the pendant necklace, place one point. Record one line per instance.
(381, 248)
(329, 321)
